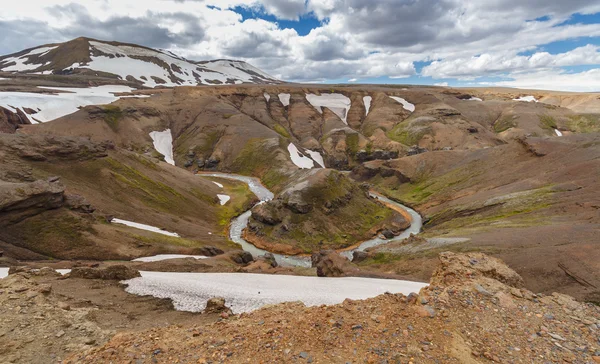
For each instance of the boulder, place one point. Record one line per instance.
(359, 256)
(295, 202)
(331, 264)
(267, 213)
(78, 203)
(216, 305)
(21, 200)
(270, 258)
(114, 272)
(463, 268)
(241, 257)
(208, 251)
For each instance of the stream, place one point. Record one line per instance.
(239, 223)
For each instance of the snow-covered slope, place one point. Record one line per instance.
(131, 62)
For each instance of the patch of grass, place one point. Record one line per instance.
(154, 193)
(505, 123)
(547, 122)
(407, 134)
(423, 186)
(242, 199)
(256, 159)
(497, 212)
(281, 130)
(164, 240)
(588, 123)
(112, 115)
(51, 233)
(352, 146)
(228, 116)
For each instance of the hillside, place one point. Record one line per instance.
(474, 311)
(120, 61)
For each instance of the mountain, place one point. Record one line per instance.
(146, 66)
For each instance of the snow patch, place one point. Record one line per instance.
(20, 61)
(526, 99)
(163, 143)
(267, 97)
(66, 101)
(317, 157)
(285, 99)
(367, 101)
(338, 103)
(218, 184)
(300, 160)
(144, 227)
(558, 132)
(474, 99)
(405, 104)
(161, 257)
(223, 199)
(248, 292)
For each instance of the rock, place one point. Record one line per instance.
(209, 251)
(114, 272)
(241, 257)
(425, 311)
(295, 202)
(462, 267)
(64, 306)
(331, 264)
(267, 214)
(212, 163)
(359, 256)
(388, 234)
(415, 149)
(60, 334)
(78, 203)
(19, 201)
(216, 305)
(472, 130)
(200, 163)
(303, 355)
(270, 258)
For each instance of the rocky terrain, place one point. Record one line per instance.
(475, 311)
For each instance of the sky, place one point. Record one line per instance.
(541, 44)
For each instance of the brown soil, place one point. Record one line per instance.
(474, 312)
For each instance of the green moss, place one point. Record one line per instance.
(242, 200)
(588, 123)
(505, 123)
(51, 233)
(153, 193)
(352, 144)
(112, 115)
(281, 130)
(547, 122)
(514, 210)
(256, 159)
(408, 134)
(164, 240)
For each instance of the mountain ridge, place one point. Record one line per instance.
(126, 61)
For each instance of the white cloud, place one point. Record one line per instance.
(490, 64)
(587, 81)
(356, 39)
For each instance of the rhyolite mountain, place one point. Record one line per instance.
(146, 66)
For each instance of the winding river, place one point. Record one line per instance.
(239, 223)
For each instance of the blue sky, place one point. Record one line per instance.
(551, 44)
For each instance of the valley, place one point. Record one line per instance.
(215, 179)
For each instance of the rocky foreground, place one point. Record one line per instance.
(475, 311)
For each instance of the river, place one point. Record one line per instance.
(239, 223)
